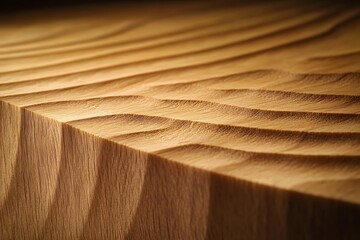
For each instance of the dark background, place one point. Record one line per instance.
(13, 5)
(7, 6)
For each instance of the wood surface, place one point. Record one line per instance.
(195, 120)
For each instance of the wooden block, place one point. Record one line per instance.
(205, 120)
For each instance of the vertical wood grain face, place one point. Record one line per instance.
(118, 190)
(205, 120)
(74, 192)
(9, 145)
(34, 177)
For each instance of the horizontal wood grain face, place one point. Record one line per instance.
(196, 120)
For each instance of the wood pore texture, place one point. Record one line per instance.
(193, 120)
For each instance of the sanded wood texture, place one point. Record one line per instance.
(195, 120)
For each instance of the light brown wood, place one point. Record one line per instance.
(203, 120)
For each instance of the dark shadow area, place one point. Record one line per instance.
(24, 5)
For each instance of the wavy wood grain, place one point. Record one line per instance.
(181, 121)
